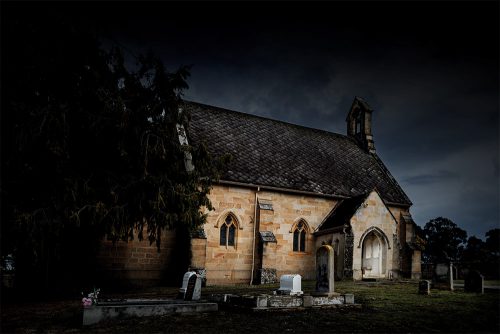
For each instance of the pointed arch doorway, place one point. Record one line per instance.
(374, 254)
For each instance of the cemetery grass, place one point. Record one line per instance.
(386, 307)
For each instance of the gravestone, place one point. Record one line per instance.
(443, 276)
(191, 286)
(325, 270)
(474, 282)
(424, 287)
(441, 272)
(290, 285)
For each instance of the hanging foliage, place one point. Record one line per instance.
(90, 145)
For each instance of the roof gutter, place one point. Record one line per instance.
(298, 192)
(329, 230)
(397, 204)
(287, 190)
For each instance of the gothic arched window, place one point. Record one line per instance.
(228, 232)
(299, 237)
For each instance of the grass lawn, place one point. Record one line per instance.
(486, 282)
(387, 307)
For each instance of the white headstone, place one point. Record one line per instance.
(291, 285)
(191, 286)
(185, 281)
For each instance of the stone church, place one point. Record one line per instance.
(288, 190)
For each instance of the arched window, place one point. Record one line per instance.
(228, 232)
(358, 125)
(299, 237)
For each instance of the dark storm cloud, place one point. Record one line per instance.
(427, 179)
(429, 71)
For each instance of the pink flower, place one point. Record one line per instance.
(87, 302)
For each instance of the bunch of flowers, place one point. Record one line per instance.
(91, 298)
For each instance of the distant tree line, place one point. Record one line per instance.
(445, 241)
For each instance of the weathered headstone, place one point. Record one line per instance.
(441, 272)
(290, 285)
(474, 282)
(185, 279)
(191, 286)
(443, 276)
(424, 287)
(325, 270)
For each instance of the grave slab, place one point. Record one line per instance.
(142, 308)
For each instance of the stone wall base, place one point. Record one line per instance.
(282, 301)
(268, 275)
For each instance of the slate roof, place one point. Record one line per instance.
(272, 153)
(342, 212)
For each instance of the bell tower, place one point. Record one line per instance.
(359, 124)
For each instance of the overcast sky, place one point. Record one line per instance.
(430, 72)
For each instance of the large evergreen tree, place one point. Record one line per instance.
(89, 148)
(474, 251)
(444, 240)
(483, 256)
(493, 241)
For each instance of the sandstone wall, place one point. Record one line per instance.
(233, 264)
(416, 265)
(373, 213)
(135, 262)
(337, 240)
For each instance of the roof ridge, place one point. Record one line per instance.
(271, 119)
